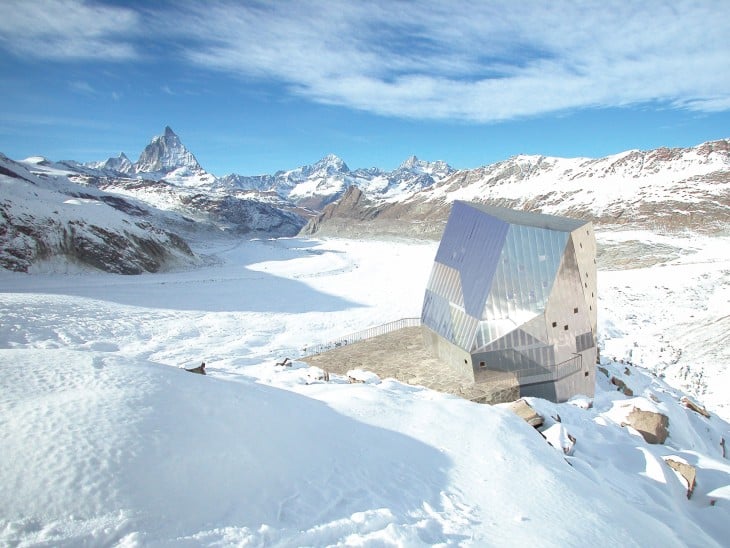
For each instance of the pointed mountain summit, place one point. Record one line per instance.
(329, 165)
(411, 162)
(120, 163)
(166, 153)
(438, 169)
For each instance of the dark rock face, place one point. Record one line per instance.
(246, 215)
(90, 245)
(356, 215)
(42, 218)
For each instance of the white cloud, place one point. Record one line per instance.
(68, 30)
(82, 87)
(467, 60)
(476, 61)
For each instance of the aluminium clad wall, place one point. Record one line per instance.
(517, 292)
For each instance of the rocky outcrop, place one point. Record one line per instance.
(148, 249)
(692, 406)
(353, 206)
(245, 216)
(621, 386)
(523, 410)
(686, 471)
(51, 218)
(652, 426)
(356, 215)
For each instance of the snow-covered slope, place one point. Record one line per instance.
(635, 184)
(663, 188)
(48, 217)
(106, 441)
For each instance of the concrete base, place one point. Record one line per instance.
(402, 355)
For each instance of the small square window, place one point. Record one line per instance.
(555, 324)
(575, 311)
(586, 373)
(565, 327)
(482, 364)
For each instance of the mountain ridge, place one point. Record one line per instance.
(669, 189)
(666, 189)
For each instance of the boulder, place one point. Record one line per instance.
(689, 404)
(652, 426)
(621, 386)
(355, 376)
(685, 470)
(200, 369)
(523, 410)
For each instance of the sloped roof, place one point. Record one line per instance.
(538, 220)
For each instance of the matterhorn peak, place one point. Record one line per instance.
(166, 153)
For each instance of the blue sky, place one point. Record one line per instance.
(253, 87)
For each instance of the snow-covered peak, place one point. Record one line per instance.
(410, 163)
(121, 164)
(36, 160)
(438, 169)
(166, 153)
(330, 165)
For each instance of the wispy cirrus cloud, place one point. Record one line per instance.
(69, 30)
(473, 61)
(80, 86)
(476, 61)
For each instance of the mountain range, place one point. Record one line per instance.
(168, 192)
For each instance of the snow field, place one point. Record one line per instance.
(106, 441)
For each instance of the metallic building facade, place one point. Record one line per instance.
(513, 294)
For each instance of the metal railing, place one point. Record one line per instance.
(557, 372)
(369, 333)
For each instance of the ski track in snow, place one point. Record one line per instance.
(105, 442)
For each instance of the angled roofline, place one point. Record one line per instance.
(525, 218)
